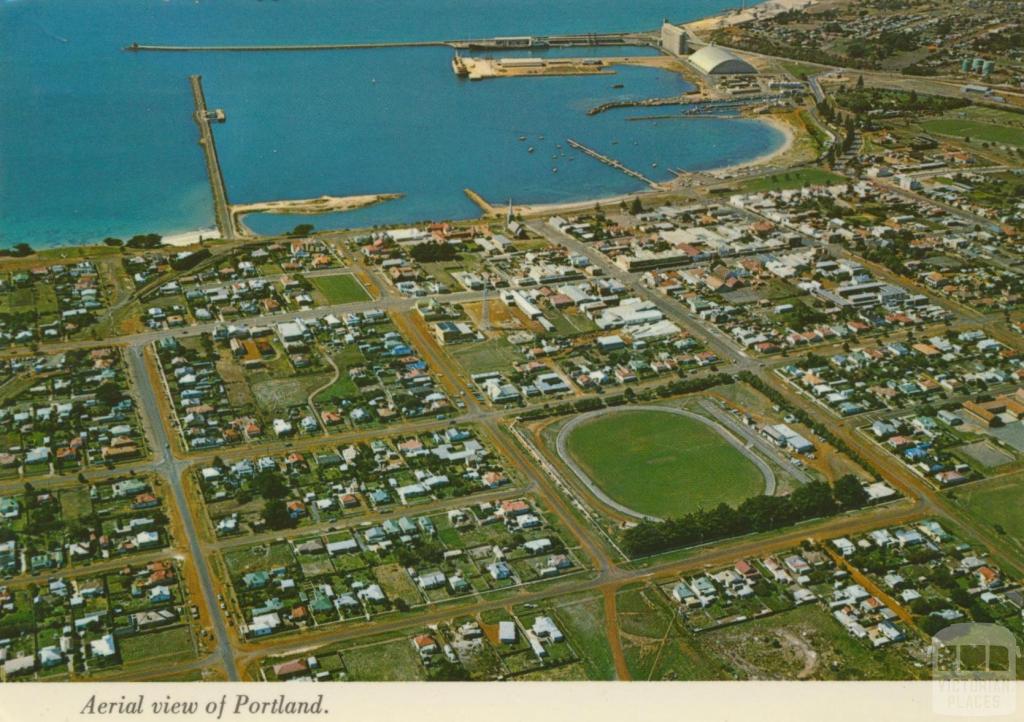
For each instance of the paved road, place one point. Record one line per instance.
(719, 342)
(757, 440)
(173, 469)
(766, 471)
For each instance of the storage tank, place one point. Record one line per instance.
(988, 67)
(965, 65)
(978, 64)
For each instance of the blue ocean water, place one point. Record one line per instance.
(95, 141)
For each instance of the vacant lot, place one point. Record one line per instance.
(387, 662)
(654, 645)
(259, 556)
(492, 355)
(341, 288)
(804, 643)
(662, 464)
(172, 644)
(585, 624)
(396, 583)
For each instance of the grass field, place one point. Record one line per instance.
(171, 644)
(792, 179)
(662, 464)
(654, 646)
(975, 130)
(387, 662)
(258, 556)
(800, 70)
(341, 288)
(584, 622)
(997, 505)
(492, 355)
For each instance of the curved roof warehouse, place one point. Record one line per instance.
(713, 60)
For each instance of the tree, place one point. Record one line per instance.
(270, 486)
(811, 500)
(275, 514)
(303, 229)
(427, 252)
(636, 208)
(148, 240)
(849, 492)
(860, 82)
(109, 393)
(110, 241)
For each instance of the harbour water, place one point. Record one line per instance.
(95, 141)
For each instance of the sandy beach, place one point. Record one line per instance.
(305, 207)
(190, 238)
(787, 145)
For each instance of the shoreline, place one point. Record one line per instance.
(789, 140)
(184, 239)
(304, 207)
(190, 238)
(340, 204)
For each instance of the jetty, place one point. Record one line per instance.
(611, 162)
(203, 118)
(524, 42)
(142, 47)
(488, 208)
(645, 103)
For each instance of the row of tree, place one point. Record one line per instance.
(756, 514)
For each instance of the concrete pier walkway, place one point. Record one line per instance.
(203, 116)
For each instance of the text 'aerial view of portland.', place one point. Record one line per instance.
(662, 340)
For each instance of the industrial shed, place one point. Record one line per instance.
(713, 60)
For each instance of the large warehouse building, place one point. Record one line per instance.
(713, 60)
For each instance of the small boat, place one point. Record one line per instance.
(522, 137)
(654, 165)
(615, 142)
(530, 149)
(540, 137)
(617, 86)
(554, 170)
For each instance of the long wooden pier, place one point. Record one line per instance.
(611, 162)
(202, 116)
